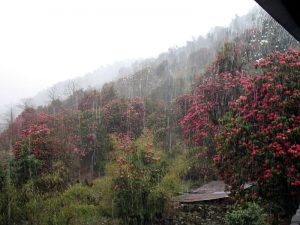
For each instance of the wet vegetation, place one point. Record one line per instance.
(226, 106)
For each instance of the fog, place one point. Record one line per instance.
(44, 42)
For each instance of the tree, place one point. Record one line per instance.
(33, 153)
(55, 102)
(26, 103)
(15, 125)
(91, 100)
(259, 142)
(53, 93)
(107, 94)
(208, 104)
(73, 91)
(124, 116)
(140, 168)
(7, 137)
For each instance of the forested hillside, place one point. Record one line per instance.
(225, 106)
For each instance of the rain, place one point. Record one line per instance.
(205, 132)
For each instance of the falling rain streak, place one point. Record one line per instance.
(224, 106)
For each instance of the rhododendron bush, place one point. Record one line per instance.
(208, 105)
(23, 121)
(260, 138)
(199, 113)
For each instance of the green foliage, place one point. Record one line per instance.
(108, 93)
(171, 184)
(79, 214)
(78, 193)
(12, 209)
(249, 214)
(92, 142)
(55, 181)
(103, 193)
(160, 136)
(229, 59)
(78, 205)
(82, 142)
(26, 166)
(201, 168)
(155, 114)
(146, 180)
(15, 211)
(141, 167)
(2, 176)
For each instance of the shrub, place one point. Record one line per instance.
(249, 214)
(79, 205)
(53, 182)
(79, 214)
(141, 168)
(259, 141)
(12, 208)
(103, 194)
(201, 167)
(171, 184)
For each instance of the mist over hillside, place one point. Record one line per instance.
(204, 47)
(172, 72)
(94, 79)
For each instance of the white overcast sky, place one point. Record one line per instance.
(43, 42)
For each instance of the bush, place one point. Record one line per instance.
(79, 204)
(249, 214)
(201, 168)
(79, 214)
(103, 194)
(141, 167)
(160, 136)
(54, 182)
(171, 184)
(259, 141)
(78, 193)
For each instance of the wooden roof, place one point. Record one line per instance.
(211, 191)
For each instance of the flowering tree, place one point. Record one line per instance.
(33, 152)
(260, 139)
(121, 115)
(23, 121)
(90, 100)
(200, 125)
(82, 142)
(91, 143)
(182, 105)
(208, 105)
